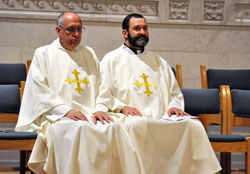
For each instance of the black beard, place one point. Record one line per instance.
(138, 41)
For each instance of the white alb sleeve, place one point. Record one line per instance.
(57, 112)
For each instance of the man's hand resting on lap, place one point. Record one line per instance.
(76, 115)
(126, 110)
(101, 116)
(177, 112)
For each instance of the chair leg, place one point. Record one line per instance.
(228, 162)
(225, 162)
(23, 162)
(247, 163)
(28, 157)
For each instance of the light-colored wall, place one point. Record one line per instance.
(215, 33)
(188, 45)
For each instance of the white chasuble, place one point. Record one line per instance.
(147, 83)
(138, 82)
(60, 80)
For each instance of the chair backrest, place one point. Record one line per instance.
(241, 102)
(12, 77)
(238, 108)
(9, 103)
(178, 74)
(29, 61)
(201, 101)
(236, 79)
(9, 98)
(12, 73)
(205, 103)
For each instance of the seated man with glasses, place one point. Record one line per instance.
(59, 104)
(72, 30)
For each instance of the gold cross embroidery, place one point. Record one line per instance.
(77, 81)
(146, 84)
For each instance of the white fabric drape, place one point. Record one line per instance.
(146, 82)
(60, 80)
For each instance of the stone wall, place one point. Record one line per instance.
(215, 33)
(190, 33)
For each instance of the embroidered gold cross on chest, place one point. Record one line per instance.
(77, 81)
(146, 84)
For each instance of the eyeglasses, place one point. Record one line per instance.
(72, 30)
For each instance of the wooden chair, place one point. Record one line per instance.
(216, 119)
(178, 74)
(214, 78)
(206, 101)
(10, 98)
(238, 112)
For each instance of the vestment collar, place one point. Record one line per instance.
(128, 50)
(59, 45)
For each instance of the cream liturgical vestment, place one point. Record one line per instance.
(60, 80)
(145, 81)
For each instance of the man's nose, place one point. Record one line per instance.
(142, 31)
(77, 32)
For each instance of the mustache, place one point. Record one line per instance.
(141, 36)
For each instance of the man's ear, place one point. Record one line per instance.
(58, 30)
(125, 34)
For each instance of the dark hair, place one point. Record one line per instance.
(126, 20)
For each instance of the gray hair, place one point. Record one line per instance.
(60, 19)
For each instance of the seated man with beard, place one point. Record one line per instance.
(141, 85)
